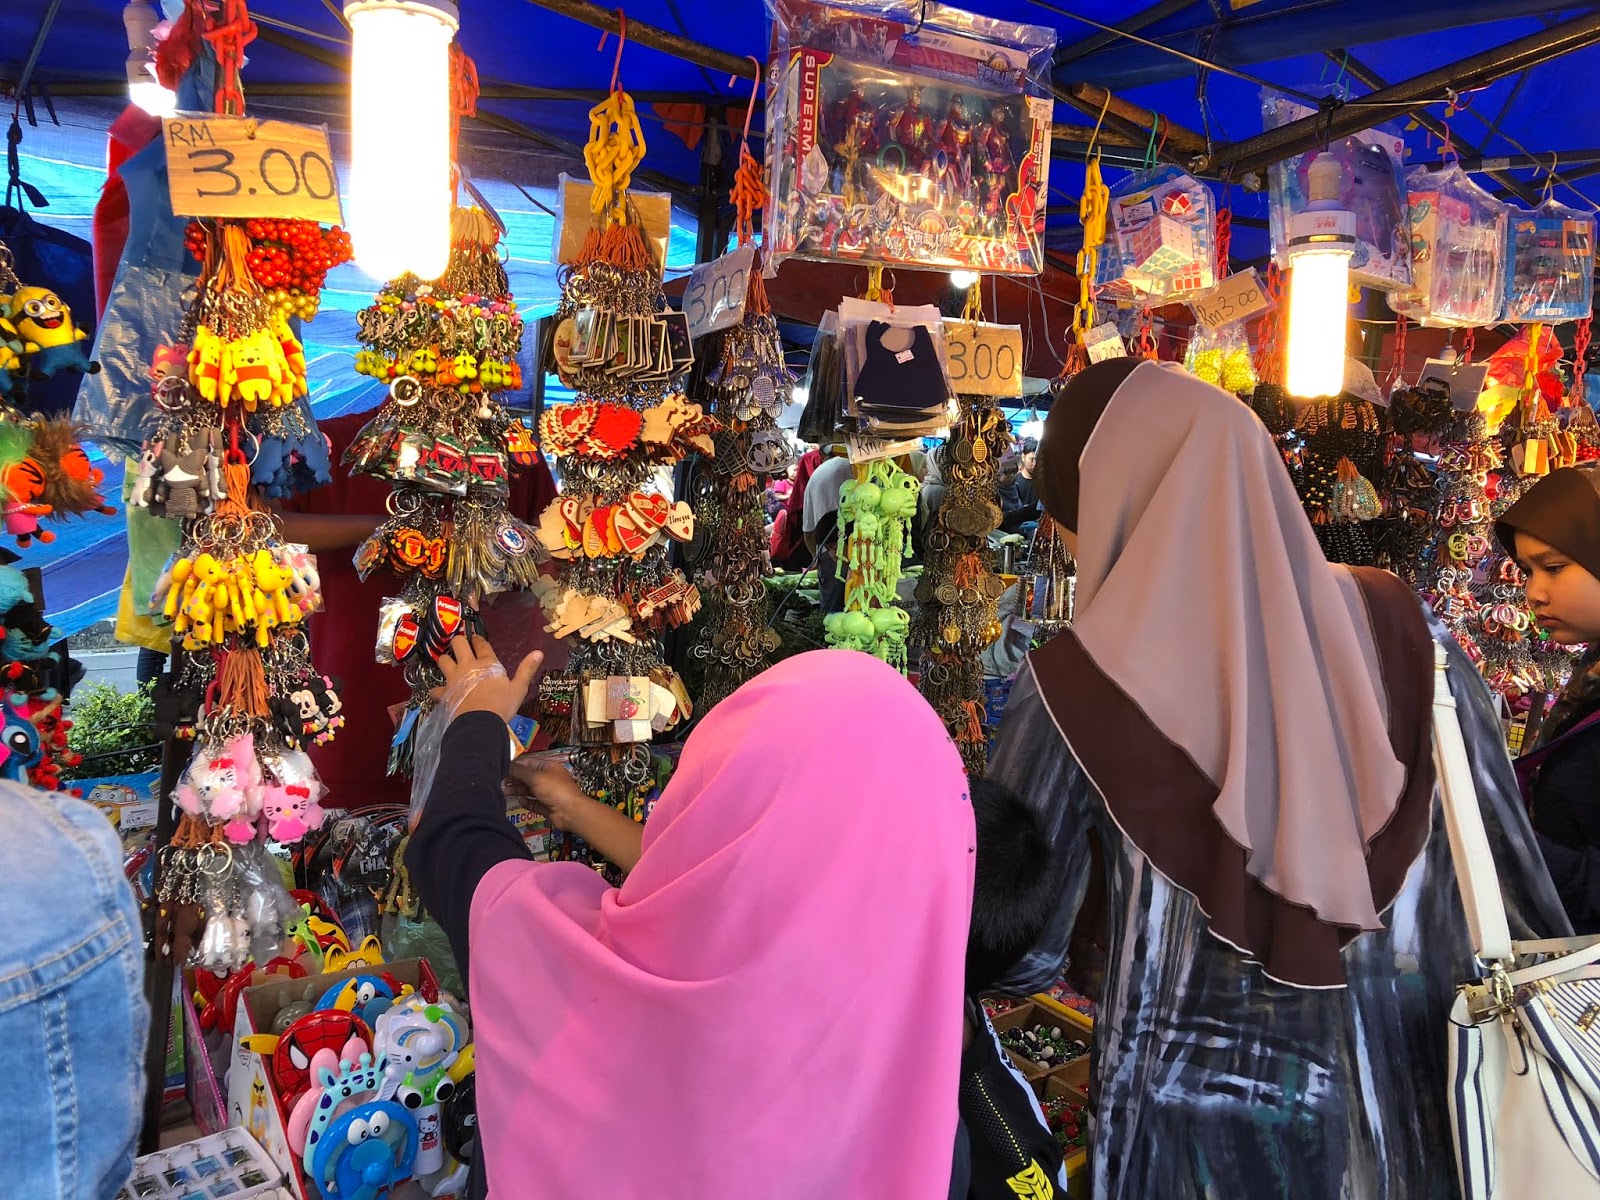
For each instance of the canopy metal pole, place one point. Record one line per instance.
(657, 39)
(1399, 99)
(1371, 79)
(1140, 20)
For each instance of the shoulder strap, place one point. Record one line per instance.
(1528, 765)
(1469, 843)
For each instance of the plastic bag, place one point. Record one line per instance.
(1223, 357)
(405, 937)
(1458, 244)
(908, 133)
(430, 734)
(1165, 224)
(1549, 264)
(1374, 189)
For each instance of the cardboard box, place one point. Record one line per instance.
(253, 1103)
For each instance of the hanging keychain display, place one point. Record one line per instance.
(958, 595)
(229, 398)
(615, 592)
(747, 386)
(446, 348)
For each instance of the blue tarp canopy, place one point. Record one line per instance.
(519, 147)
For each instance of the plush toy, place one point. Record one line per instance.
(22, 483)
(205, 364)
(19, 744)
(50, 341)
(19, 613)
(223, 782)
(72, 482)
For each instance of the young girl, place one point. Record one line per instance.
(732, 1020)
(1553, 531)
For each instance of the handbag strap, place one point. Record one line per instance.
(1469, 843)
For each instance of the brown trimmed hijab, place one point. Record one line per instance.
(1256, 719)
(1563, 510)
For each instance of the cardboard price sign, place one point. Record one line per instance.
(984, 360)
(1103, 342)
(578, 218)
(715, 296)
(1237, 298)
(242, 167)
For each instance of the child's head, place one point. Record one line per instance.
(1015, 887)
(1553, 531)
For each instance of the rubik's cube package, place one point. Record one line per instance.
(1165, 227)
(911, 134)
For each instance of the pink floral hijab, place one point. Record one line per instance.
(771, 1004)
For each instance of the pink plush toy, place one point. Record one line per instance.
(224, 783)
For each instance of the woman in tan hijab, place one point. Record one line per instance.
(1232, 748)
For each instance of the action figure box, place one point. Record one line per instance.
(914, 135)
(1373, 187)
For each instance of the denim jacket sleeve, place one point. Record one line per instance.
(73, 1017)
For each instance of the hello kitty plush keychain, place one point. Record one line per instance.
(290, 798)
(223, 784)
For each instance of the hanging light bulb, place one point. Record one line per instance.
(400, 192)
(1321, 241)
(963, 279)
(140, 19)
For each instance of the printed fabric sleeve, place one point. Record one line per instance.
(464, 830)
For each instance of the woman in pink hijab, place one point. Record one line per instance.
(722, 1024)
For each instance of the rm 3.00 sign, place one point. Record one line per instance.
(717, 291)
(985, 360)
(241, 167)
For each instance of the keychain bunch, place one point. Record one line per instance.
(614, 591)
(1048, 583)
(449, 448)
(230, 423)
(957, 598)
(875, 508)
(748, 387)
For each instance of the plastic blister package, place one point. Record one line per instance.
(1165, 225)
(1549, 264)
(1374, 189)
(911, 133)
(1458, 241)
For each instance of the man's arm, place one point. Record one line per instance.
(319, 532)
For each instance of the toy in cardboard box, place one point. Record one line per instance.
(1374, 189)
(1549, 264)
(1165, 232)
(915, 134)
(1458, 250)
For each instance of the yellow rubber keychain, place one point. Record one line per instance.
(1093, 207)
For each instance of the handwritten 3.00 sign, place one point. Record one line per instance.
(241, 167)
(984, 360)
(715, 295)
(1237, 298)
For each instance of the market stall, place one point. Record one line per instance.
(914, 225)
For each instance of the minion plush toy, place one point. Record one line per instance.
(50, 341)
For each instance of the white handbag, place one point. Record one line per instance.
(1524, 1039)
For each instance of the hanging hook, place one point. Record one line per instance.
(1166, 128)
(755, 90)
(1550, 178)
(1095, 136)
(622, 40)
